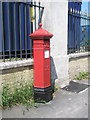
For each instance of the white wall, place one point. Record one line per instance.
(55, 20)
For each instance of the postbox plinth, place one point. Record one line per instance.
(41, 52)
(43, 94)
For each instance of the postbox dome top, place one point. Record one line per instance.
(41, 34)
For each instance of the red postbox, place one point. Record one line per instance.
(41, 52)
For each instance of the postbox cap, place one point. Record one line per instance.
(41, 34)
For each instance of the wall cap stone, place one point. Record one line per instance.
(78, 55)
(15, 64)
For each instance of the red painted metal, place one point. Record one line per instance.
(41, 34)
(41, 52)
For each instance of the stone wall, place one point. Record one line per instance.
(17, 75)
(78, 63)
(14, 76)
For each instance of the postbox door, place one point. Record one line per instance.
(47, 63)
(38, 64)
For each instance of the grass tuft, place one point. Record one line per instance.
(82, 76)
(22, 95)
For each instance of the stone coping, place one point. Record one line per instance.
(78, 55)
(28, 62)
(15, 64)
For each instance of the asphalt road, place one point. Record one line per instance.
(64, 105)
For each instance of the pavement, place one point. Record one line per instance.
(66, 104)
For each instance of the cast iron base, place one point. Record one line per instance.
(43, 94)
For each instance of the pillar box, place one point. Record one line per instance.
(41, 53)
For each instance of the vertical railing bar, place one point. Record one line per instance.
(70, 32)
(88, 35)
(9, 34)
(68, 35)
(20, 31)
(79, 32)
(35, 14)
(2, 32)
(15, 33)
(25, 32)
(85, 34)
(39, 15)
(82, 39)
(75, 33)
(30, 32)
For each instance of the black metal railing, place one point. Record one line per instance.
(17, 21)
(78, 31)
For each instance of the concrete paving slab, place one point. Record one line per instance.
(64, 105)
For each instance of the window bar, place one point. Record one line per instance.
(9, 34)
(25, 32)
(15, 32)
(35, 14)
(3, 32)
(20, 31)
